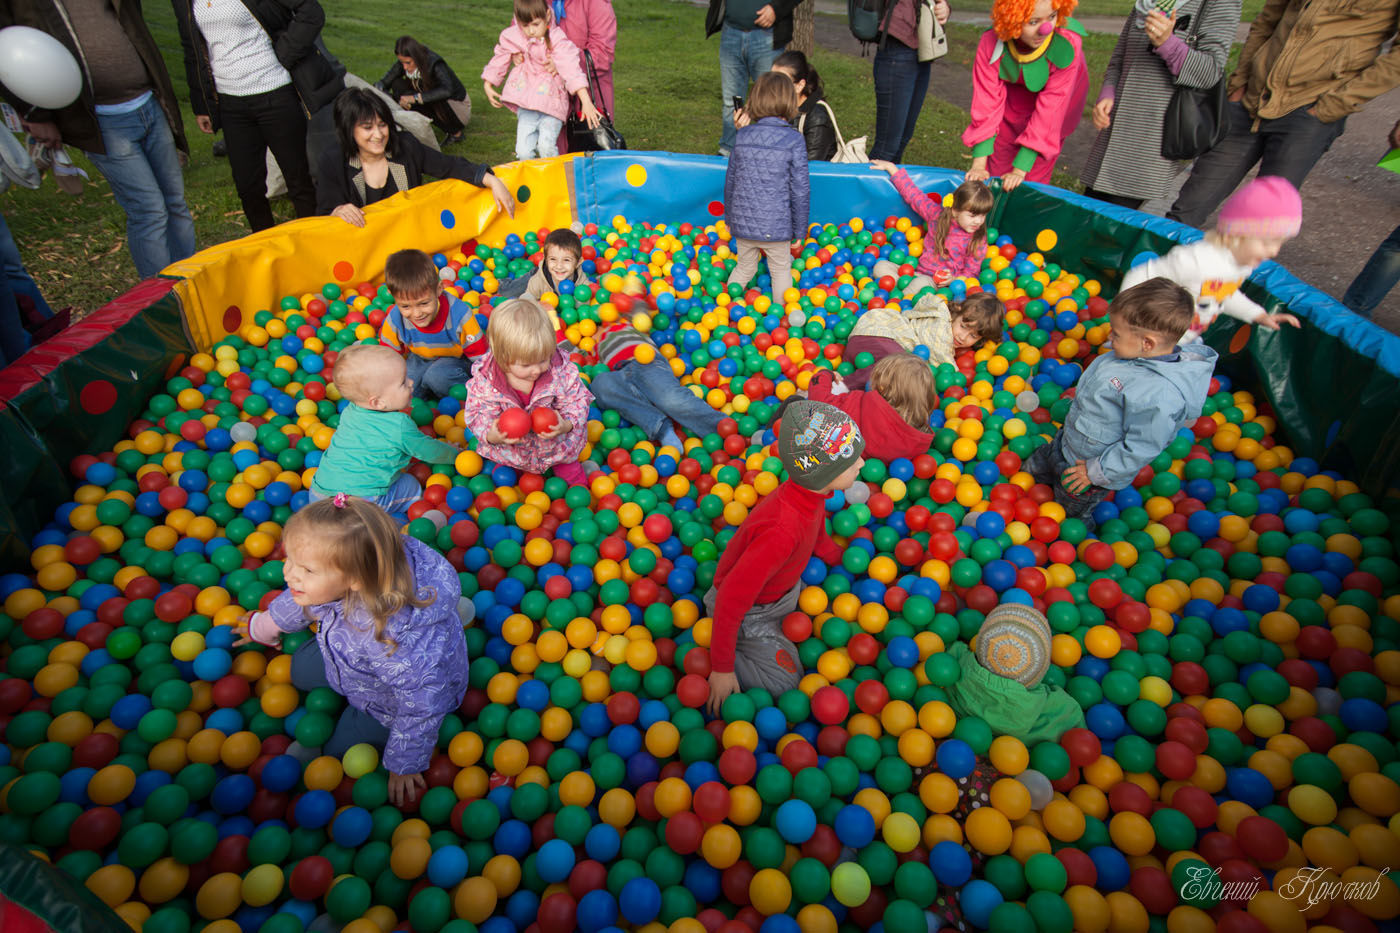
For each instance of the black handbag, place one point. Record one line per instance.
(1196, 120)
(584, 138)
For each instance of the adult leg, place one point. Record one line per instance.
(895, 67)
(159, 144)
(136, 189)
(1376, 278)
(619, 391)
(440, 112)
(1216, 173)
(746, 253)
(440, 375)
(12, 268)
(759, 53)
(549, 130)
(779, 256)
(916, 104)
(14, 340)
(733, 82)
(675, 400)
(1293, 144)
(247, 157)
(284, 127)
(1119, 199)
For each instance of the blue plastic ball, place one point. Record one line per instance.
(956, 758)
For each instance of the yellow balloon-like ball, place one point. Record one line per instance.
(1046, 240)
(850, 884)
(360, 760)
(901, 832)
(187, 646)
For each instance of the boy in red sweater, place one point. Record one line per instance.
(893, 412)
(760, 574)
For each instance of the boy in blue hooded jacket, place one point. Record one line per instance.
(1130, 402)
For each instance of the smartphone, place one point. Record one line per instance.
(738, 103)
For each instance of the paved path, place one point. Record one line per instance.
(1349, 205)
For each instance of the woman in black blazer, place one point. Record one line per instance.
(375, 161)
(421, 81)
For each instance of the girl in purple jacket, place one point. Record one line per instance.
(389, 637)
(766, 189)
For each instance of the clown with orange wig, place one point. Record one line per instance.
(1029, 82)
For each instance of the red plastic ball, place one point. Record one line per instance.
(1175, 761)
(830, 705)
(543, 420)
(1262, 839)
(515, 422)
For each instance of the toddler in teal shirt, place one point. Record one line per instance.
(375, 440)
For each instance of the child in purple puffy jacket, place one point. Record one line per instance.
(766, 189)
(389, 636)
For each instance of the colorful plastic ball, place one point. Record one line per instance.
(640, 900)
(850, 884)
(956, 758)
(951, 863)
(796, 821)
(978, 899)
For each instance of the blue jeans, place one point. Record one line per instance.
(901, 84)
(1288, 146)
(14, 283)
(650, 396)
(536, 134)
(514, 288)
(352, 726)
(396, 499)
(1376, 278)
(143, 168)
(437, 377)
(12, 268)
(1047, 465)
(743, 56)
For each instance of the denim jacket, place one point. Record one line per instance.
(1126, 412)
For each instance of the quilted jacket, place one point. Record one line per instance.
(766, 189)
(488, 394)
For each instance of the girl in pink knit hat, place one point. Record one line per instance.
(1253, 226)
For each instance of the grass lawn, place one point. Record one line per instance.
(76, 247)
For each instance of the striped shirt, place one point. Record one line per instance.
(457, 330)
(619, 343)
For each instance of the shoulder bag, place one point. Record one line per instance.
(1196, 120)
(582, 137)
(853, 151)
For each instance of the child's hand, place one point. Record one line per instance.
(884, 166)
(838, 385)
(722, 686)
(978, 171)
(942, 277)
(496, 436)
(591, 115)
(741, 118)
(562, 426)
(1012, 179)
(518, 59)
(1076, 478)
(549, 67)
(1272, 321)
(263, 621)
(501, 194)
(492, 95)
(404, 788)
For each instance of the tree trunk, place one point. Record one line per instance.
(802, 27)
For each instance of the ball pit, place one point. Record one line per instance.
(1230, 631)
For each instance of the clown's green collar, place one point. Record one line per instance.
(1033, 69)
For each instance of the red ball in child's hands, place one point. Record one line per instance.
(514, 422)
(543, 420)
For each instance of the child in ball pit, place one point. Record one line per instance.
(438, 333)
(956, 241)
(561, 260)
(525, 368)
(1130, 402)
(893, 413)
(1029, 81)
(375, 440)
(759, 575)
(944, 330)
(389, 638)
(1254, 224)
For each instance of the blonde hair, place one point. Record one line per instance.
(773, 95)
(360, 370)
(520, 331)
(969, 196)
(906, 382)
(984, 311)
(361, 541)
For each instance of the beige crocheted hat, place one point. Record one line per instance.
(1014, 642)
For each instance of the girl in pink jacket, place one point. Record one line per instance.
(548, 68)
(525, 369)
(1029, 82)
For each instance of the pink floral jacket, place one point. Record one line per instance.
(531, 84)
(488, 394)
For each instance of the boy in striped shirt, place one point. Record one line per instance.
(437, 332)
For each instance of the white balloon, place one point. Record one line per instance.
(1027, 401)
(858, 493)
(1329, 701)
(1039, 786)
(466, 609)
(38, 68)
(242, 431)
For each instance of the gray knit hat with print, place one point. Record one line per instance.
(817, 442)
